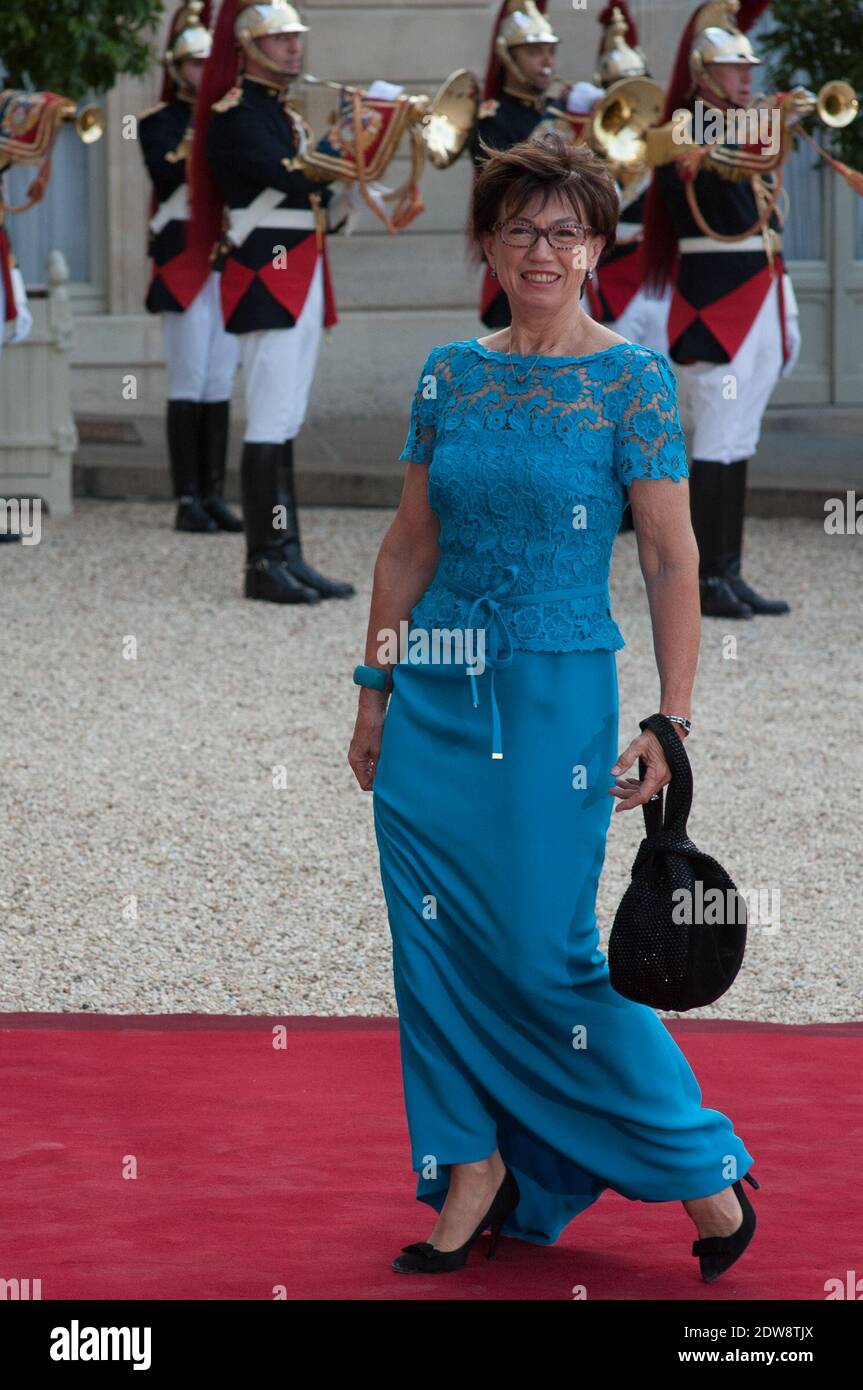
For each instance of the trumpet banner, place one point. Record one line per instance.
(363, 139)
(29, 122)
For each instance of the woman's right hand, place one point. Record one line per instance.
(365, 750)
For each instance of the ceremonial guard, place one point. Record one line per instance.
(617, 294)
(29, 123)
(15, 317)
(200, 357)
(712, 230)
(521, 97)
(276, 289)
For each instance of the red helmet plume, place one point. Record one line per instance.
(221, 72)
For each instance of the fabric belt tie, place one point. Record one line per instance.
(490, 603)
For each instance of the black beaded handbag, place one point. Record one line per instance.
(679, 934)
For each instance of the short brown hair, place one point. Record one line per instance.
(545, 164)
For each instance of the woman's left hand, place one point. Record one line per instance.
(630, 790)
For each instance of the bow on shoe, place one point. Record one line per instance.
(420, 1247)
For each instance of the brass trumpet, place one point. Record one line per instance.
(89, 122)
(450, 118)
(365, 136)
(445, 120)
(31, 122)
(27, 112)
(837, 104)
(619, 123)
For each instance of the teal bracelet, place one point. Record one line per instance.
(373, 677)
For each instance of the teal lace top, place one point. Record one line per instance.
(528, 469)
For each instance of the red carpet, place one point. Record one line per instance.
(258, 1168)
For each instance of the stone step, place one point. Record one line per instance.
(826, 419)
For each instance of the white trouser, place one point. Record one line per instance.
(278, 366)
(645, 321)
(725, 401)
(200, 356)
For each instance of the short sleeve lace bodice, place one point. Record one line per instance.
(529, 460)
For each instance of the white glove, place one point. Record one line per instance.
(19, 328)
(582, 98)
(348, 202)
(792, 325)
(384, 91)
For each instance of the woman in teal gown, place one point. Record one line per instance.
(492, 779)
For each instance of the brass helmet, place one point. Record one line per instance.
(190, 38)
(617, 58)
(522, 23)
(256, 21)
(717, 39)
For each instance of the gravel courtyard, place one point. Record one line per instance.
(150, 865)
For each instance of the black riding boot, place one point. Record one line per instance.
(267, 575)
(707, 485)
(215, 420)
(735, 509)
(291, 548)
(183, 429)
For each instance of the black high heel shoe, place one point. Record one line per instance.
(717, 1253)
(424, 1258)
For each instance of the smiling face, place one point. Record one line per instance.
(539, 276)
(536, 61)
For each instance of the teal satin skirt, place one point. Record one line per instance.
(511, 1034)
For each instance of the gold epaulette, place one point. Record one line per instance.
(487, 108)
(151, 110)
(232, 98)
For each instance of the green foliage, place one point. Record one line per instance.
(75, 46)
(810, 42)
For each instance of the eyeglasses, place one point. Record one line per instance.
(561, 236)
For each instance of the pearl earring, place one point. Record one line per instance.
(493, 271)
(590, 275)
